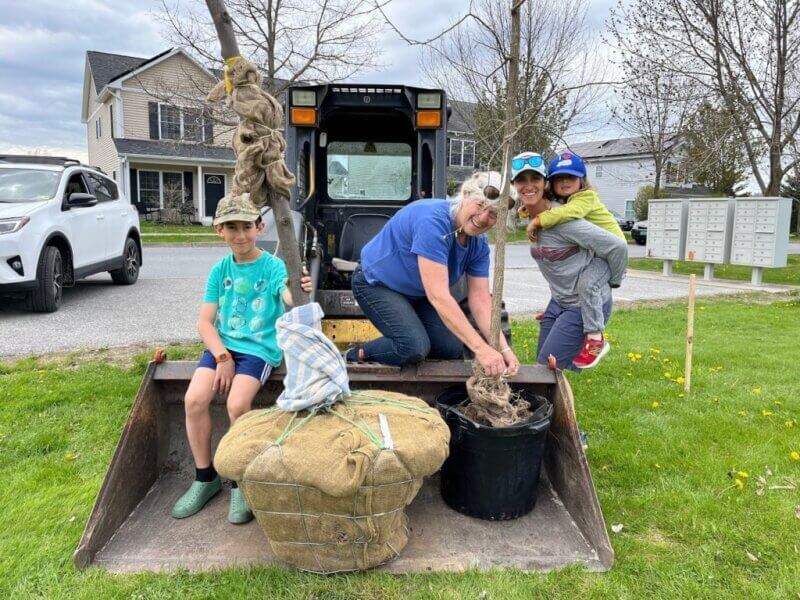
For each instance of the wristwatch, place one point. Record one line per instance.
(222, 357)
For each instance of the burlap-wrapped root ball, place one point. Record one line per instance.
(329, 489)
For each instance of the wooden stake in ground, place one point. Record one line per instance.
(279, 203)
(687, 383)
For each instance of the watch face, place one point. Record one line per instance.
(222, 357)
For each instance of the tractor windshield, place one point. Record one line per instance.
(369, 171)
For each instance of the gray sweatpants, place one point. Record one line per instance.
(593, 280)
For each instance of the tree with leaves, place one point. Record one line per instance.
(714, 154)
(654, 106)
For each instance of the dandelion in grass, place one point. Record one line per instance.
(778, 403)
(655, 405)
(655, 350)
(765, 412)
(657, 466)
(667, 375)
(756, 391)
(681, 395)
(795, 455)
(743, 474)
(789, 424)
(739, 484)
(665, 361)
(679, 380)
(742, 413)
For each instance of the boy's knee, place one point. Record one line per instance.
(195, 403)
(238, 405)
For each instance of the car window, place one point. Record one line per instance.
(27, 185)
(104, 189)
(75, 185)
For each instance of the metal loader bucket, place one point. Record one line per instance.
(130, 528)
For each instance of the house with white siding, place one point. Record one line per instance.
(152, 146)
(618, 167)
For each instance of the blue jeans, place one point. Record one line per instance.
(561, 333)
(412, 329)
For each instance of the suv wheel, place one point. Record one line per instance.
(129, 273)
(47, 297)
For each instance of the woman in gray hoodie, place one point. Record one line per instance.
(562, 254)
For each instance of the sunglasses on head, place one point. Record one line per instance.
(491, 192)
(534, 161)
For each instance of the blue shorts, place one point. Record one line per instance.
(246, 364)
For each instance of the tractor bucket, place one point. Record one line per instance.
(130, 528)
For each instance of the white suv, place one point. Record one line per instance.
(61, 221)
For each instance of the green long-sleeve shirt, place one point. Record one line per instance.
(582, 205)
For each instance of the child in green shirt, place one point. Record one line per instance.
(566, 175)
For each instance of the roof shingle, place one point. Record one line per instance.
(174, 149)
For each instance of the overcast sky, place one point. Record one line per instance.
(44, 44)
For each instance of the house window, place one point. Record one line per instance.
(170, 122)
(598, 171)
(462, 153)
(150, 189)
(630, 210)
(111, 119)
(177, 123)
(98, 128)
(158, 189)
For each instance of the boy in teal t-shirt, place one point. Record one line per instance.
(245, 294)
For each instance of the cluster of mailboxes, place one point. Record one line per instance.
(749, 231)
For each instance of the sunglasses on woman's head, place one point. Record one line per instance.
(491, 192)
(534, 161)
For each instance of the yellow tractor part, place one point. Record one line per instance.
(344, 332)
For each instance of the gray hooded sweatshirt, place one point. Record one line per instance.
(565, 250)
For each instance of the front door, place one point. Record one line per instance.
(214, 187)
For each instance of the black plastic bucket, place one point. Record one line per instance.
(492, 473)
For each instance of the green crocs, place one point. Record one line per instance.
(196, 498)
(238, 512)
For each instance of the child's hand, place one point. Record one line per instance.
(224, 377)
(305, 282)
(532, 230)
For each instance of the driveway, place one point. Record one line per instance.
(163, 305)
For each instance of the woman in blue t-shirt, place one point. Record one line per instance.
(403, 282)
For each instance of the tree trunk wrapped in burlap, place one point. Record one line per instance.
(257, 141)
(329, 488)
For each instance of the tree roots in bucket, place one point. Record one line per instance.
(492, 402)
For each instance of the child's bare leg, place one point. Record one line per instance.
(243, 389)
(198, 416)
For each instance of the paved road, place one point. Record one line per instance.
(163, 305)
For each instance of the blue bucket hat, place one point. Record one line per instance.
(527, 161)
(567, 163)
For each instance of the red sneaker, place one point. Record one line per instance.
(538, 316)
(591, 353)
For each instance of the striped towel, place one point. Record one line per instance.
(316, 374)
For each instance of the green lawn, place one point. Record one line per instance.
(788, 275)
(680, 473)
(154, 227)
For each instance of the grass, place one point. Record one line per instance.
(788, 275)
(164, 228)
(661, 470)
(177, 234)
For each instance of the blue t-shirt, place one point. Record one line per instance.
(422, 228)
(248, 299)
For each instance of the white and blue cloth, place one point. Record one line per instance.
(316, 375)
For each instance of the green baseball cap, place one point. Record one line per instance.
(236, 208)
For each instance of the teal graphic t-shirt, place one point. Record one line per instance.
(248, 299)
